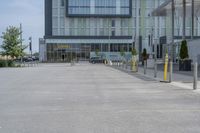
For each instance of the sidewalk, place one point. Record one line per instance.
(180, 79)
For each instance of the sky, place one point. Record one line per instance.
(28, 12)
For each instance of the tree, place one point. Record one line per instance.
(11, 43)
(122, 52)
(134, 52)
(184, 50)
(97, 52)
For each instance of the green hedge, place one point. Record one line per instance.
(7, 63)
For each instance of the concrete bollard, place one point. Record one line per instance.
(145, 67)
(155, 69)
(171, 71)
(195, 75)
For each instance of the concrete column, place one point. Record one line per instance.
(172, 43)
(192, 13)
(137, 25)
(195, 75)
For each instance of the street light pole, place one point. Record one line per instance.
(30, 46)
(21, 41)
(172, 44)
(109, 26)
(155, 59)
(192, 11)
(184, 18)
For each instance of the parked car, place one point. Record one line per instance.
(35, 58)
(25, 59)
(95, 60)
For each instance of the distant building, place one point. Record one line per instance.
(78, 28)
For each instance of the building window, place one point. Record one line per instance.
(113, 23)
(99, 7)
(113, 33)
(55, 22)
(62, 3)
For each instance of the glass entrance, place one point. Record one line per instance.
(67, 52)
(85, 52)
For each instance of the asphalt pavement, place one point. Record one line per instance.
(86, 98)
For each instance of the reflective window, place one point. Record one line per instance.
(62, 3)
(100, 7)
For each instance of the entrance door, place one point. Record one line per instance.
(85, 52)
(63, 57)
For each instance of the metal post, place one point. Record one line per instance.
(109, 38)
(195, 75)
(192, 8)
(145, 67)
(30, 46)
(126, 63)
(155, 59)
(21, 41)
(184, 18)
(71, 56)
(171, 71)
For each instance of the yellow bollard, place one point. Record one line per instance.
(166, 67)
(133, 66)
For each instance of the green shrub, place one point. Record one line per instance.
(11, 63)
(122, 52)
(3, 63)
(134, 52)
(97, 52)
(184, 50)
(8, 63)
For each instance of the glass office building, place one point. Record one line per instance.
(78, 28)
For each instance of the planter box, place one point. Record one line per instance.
(185, 65)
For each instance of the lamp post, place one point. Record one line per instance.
(155, 58)
(151, 34)
(172, 44)
(192, 13)
(184, 17)
(109, 29)
(30, 46)
(21, 41)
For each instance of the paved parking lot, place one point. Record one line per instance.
(58, 98)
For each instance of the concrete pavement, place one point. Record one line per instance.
(57, 98)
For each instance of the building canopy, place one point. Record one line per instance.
(166, 7)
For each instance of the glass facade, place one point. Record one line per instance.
(99, 7)
(103, 21)
(67, 52)
(100, 27)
